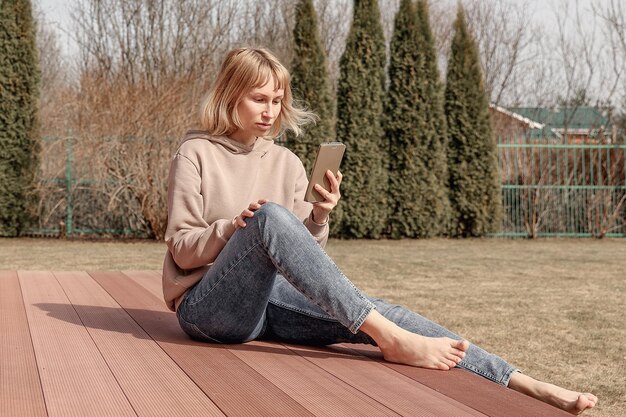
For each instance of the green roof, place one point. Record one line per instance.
(576, 117)
(545, 133)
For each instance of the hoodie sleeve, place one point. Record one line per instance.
(190, 239)
(304, 210)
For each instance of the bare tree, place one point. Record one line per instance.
(55, 77)
(144, 67)
(148, 41)
(334, 21)
(270, 24)
(441, 22)
(613, 14)
(504, 34)
(590, 68)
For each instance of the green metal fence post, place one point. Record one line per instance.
(68, 181)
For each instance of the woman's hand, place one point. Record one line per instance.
(331, 198)
(239, 222)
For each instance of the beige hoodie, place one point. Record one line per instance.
(213, 179)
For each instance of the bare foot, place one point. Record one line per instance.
(571, 401)
(401, 346)
(425, 352)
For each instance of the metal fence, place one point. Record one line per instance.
(547, 190)
(76, 196)
(574, 190)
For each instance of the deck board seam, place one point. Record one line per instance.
(293, 352)
(390, 366)
(95, 343)
(386, 364)
(342, 381)
(155, 341)
(138, 299)
(268, 382)
(484, 412)
(30, 338)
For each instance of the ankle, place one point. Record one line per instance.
(524, 384)
(532, 387)
(384, 332)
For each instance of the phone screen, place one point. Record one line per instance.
(329, 156)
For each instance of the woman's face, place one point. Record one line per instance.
(258, 111)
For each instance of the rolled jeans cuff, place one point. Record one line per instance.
(359, 321)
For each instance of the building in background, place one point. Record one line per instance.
(553, 125)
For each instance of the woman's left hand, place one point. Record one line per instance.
(322, 209)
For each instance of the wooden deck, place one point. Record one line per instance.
(104, 344)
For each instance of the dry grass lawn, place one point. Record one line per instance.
(554, 308)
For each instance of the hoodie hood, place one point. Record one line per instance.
(261, 145)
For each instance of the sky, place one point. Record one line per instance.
(57, 12)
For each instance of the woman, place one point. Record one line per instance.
(245, 258)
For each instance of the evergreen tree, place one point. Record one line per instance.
(360, 93)
(435, 132)
(415, 128)
(474, 184)
(311, 84)
(19, 146)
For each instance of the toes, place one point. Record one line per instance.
(449, 363)
(454, 358)
(584, 402)
(461, 345)
(458, 353)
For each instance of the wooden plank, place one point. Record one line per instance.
(462, 387)
(20, 389)
(317, 390)
(236, 388)
(399, 396)
(472, 390)
(152, 382)
(150, 280)
(76, 380)
(396, 391)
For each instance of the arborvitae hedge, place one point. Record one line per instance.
(415, 129)
(19, 143)
(311, 84)
(363, 208)
(474, 183)
(436, 131)
(408, 175)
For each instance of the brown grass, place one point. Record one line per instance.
(554, 308)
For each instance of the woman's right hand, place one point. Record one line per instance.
(239, 222)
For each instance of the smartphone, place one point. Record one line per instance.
(329, 156)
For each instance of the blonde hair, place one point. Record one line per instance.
(244, 69)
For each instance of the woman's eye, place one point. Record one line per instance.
(276, 102)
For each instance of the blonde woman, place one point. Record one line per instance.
(245, 258)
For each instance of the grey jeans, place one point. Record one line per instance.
(273, 281)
